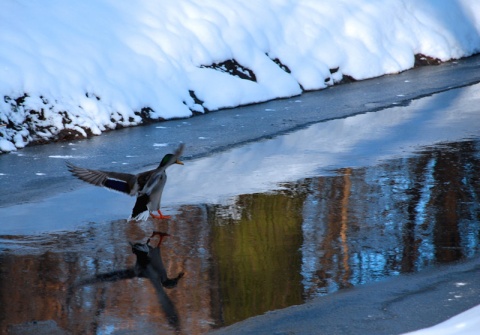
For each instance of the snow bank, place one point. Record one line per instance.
(74, 69)
(466, 323)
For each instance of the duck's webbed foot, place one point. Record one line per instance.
(160, 216)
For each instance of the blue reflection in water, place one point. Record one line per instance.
(401, 216)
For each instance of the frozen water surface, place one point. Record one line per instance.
(257, 227)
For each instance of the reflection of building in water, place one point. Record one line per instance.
(313, 237)
(402, 216)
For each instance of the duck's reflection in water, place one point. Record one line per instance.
(149, 265)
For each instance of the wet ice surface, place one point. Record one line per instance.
(317, 235)
(281, 221)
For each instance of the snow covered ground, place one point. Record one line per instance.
(73, 69)
(466, 323)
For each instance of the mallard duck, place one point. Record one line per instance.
(147, 186)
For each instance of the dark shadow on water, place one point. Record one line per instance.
(149, 265)
(252, 254)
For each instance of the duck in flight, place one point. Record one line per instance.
(147, 186)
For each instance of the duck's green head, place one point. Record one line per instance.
(169, 159)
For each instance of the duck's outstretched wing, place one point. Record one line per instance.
(108, 277)
(121, 182)
(172, 158)
(179, 151)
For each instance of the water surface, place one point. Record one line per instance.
(254, 228)
(259, 252)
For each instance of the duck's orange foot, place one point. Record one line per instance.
(160, 216)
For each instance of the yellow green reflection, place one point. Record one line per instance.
(258, 255)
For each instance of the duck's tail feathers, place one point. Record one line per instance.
(140, 211)
(143, 216)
